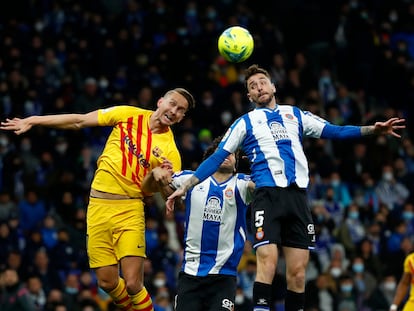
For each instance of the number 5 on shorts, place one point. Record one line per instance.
(259, 218)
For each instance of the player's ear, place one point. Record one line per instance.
(159, 102)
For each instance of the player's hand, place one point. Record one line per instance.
(19, 126)
(162, 176)
(388, 127)
(171, 199)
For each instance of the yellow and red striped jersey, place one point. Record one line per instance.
(131, 151)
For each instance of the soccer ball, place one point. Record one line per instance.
(236, 44)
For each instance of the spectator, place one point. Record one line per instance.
(32, 210)
(352, 230)
(15, 262)
(364, 281)
(389, 190)
(6, 242)
(347, 295)
(36, 292)
(365, 250)
(164, 258)
(42, 268)
(63, 254)
(333, 207)
(89, 99)
(341, 192)
(8, 207)
(321, 293)
(382, 296)
(49, 232)
(14, 295)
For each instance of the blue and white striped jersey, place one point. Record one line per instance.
(215, 229)
(272, 141)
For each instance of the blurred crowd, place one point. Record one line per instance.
(349, 61)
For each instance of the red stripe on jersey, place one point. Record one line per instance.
(139, 144)
(411, 266)
(130, 143)
(122, 145)
(149, 142)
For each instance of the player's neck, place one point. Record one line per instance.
(222, 176)
(156, 126)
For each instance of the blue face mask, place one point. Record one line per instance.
(335, 183)
(407, 215)
(346, 288)
(353, 215)
(358, 267)
(71, 290)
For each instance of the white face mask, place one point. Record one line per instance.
(390, 286)
(336, 272)
(388, 176)
(159, 282)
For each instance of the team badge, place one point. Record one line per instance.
(228, 193)
(157, 152)
(289, 116)
(259, 234)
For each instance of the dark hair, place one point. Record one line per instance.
(212, 148)
(186, 94)
(254, 69)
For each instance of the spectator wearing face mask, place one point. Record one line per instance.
(364, 281)
(321, 293)
(381, 298)
(347, 295)
(351, 231)
(390, 191)
(407, 215)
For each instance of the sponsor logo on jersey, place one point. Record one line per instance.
(212, 210)
(132, 148)
(278, 131)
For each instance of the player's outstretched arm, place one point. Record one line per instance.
(388, 127)
(60, 121)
